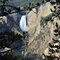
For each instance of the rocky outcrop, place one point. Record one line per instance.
(41, 35)
(34, 18)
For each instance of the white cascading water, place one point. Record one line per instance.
(23, 24)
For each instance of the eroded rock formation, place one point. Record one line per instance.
(42, 34)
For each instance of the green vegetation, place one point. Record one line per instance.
(26, 2)
(9, 56)
(7, 38)
(27, 5)
(30, 6)
(48, 18)
(45, 20)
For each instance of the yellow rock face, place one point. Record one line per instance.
(43, 35)
(34, 18)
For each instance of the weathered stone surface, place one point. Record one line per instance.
(43, 33)
(34, 18)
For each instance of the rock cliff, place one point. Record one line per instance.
(40, 35)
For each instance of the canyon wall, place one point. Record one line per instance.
(40, 35)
